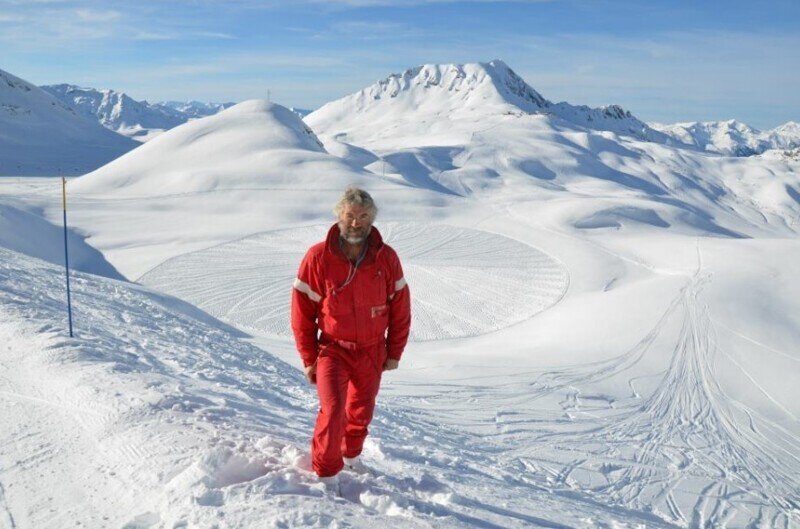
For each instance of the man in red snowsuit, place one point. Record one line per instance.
(351, 314)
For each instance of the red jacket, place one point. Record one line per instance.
(374, 306)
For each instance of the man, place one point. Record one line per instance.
(351, 314)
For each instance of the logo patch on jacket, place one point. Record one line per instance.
(379, 310)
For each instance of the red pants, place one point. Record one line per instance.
(347, 384)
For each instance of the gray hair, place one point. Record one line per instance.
(355, 195)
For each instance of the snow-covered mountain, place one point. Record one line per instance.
(119, 112)
(195, 109)
(732, 138)
(478, 129)
(41, 136)
(224, 176)
(462, 90)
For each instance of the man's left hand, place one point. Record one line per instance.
(390, 364)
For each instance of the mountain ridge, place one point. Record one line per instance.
(732, 137)
(138, 120)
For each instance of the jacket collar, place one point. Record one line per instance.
(374, 243)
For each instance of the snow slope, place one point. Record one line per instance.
(732, 138)
(155, 415)
(41, 136)
(117, 111)
(28, 233)
(658, 391)
(245, 170)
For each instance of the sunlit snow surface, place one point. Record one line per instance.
(606, 330)
(465, 282)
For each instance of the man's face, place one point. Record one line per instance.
(354, 223)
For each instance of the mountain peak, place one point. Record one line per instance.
(470, 84)
(427, 93)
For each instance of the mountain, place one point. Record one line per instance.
(732, 138)
(236, 147)
(119, 112)
(39, 135)
(302, 112)
(194, 109)
(480, 130)
(463, 90)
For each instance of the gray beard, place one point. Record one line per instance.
(354, 240)
(351, 239)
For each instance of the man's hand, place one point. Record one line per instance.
(311, 373)
(390, 364)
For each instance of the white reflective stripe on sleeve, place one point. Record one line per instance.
(399, 284)
(305, 289)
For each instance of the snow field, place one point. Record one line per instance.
(155, 415)
(464, 282)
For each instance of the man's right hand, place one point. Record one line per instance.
(311, 373)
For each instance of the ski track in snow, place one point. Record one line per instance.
(663, 440)
(465, 282)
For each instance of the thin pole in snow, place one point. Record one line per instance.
(66, 250)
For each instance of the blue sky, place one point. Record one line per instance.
(663, 60)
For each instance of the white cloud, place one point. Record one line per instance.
(10, 18)
(91, 15)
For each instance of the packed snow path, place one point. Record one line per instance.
(466, 282)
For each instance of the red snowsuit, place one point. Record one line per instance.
(349, 331)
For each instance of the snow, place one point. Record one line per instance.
(606, 329)
(40, 136)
